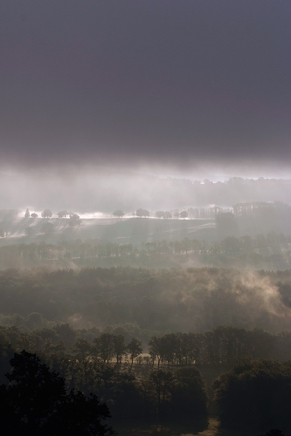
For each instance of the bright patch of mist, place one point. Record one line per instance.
(96, 192)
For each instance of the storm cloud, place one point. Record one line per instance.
(145, 83)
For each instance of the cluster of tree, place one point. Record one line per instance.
(36, 402)
(35, 399)
(153, 395)
(119, 213)
(148, 396)
(62, 339)
(255, 395)
(220, 347)
(166, 214)
(163, 214)
(47, 213)
(142, 212)
(230, 192)
(108, 345)
(192, 299)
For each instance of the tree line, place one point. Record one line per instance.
(262, 251)
(220, 347)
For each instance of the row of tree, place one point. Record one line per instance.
(220, 347)
(260, 251)
(47, 213)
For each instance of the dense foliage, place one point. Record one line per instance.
(35, 402)
(137, 337)
(255, 394)
(146, 301)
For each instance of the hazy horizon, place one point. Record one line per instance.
(99, 98)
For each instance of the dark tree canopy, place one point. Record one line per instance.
(255, 394)
(184, 214)
(35, 402)
(63, 214)
(74, 220)
(167, 214)
(47, 213)
(134, 348)
(142, 212)
(119, 213)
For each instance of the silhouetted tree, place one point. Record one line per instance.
(255, 394)
(119, 347)
(63, 214)
(83, 349)
(184, 214)
(27, 214)
(74, 220)
(142, 212)
(104, 346)
(47, 213)
(155, 349)
(119, 213)
(35, 402)
(134, 348)
(189, 396)
(274, 432)
(163, 382)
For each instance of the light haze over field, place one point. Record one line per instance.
(97, 94)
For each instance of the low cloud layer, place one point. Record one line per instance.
(174, 86)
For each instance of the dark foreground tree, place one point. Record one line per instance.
(189, 397)
(35, 402)
(255, 394)
(274, 432)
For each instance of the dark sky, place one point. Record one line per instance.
(145, 82)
